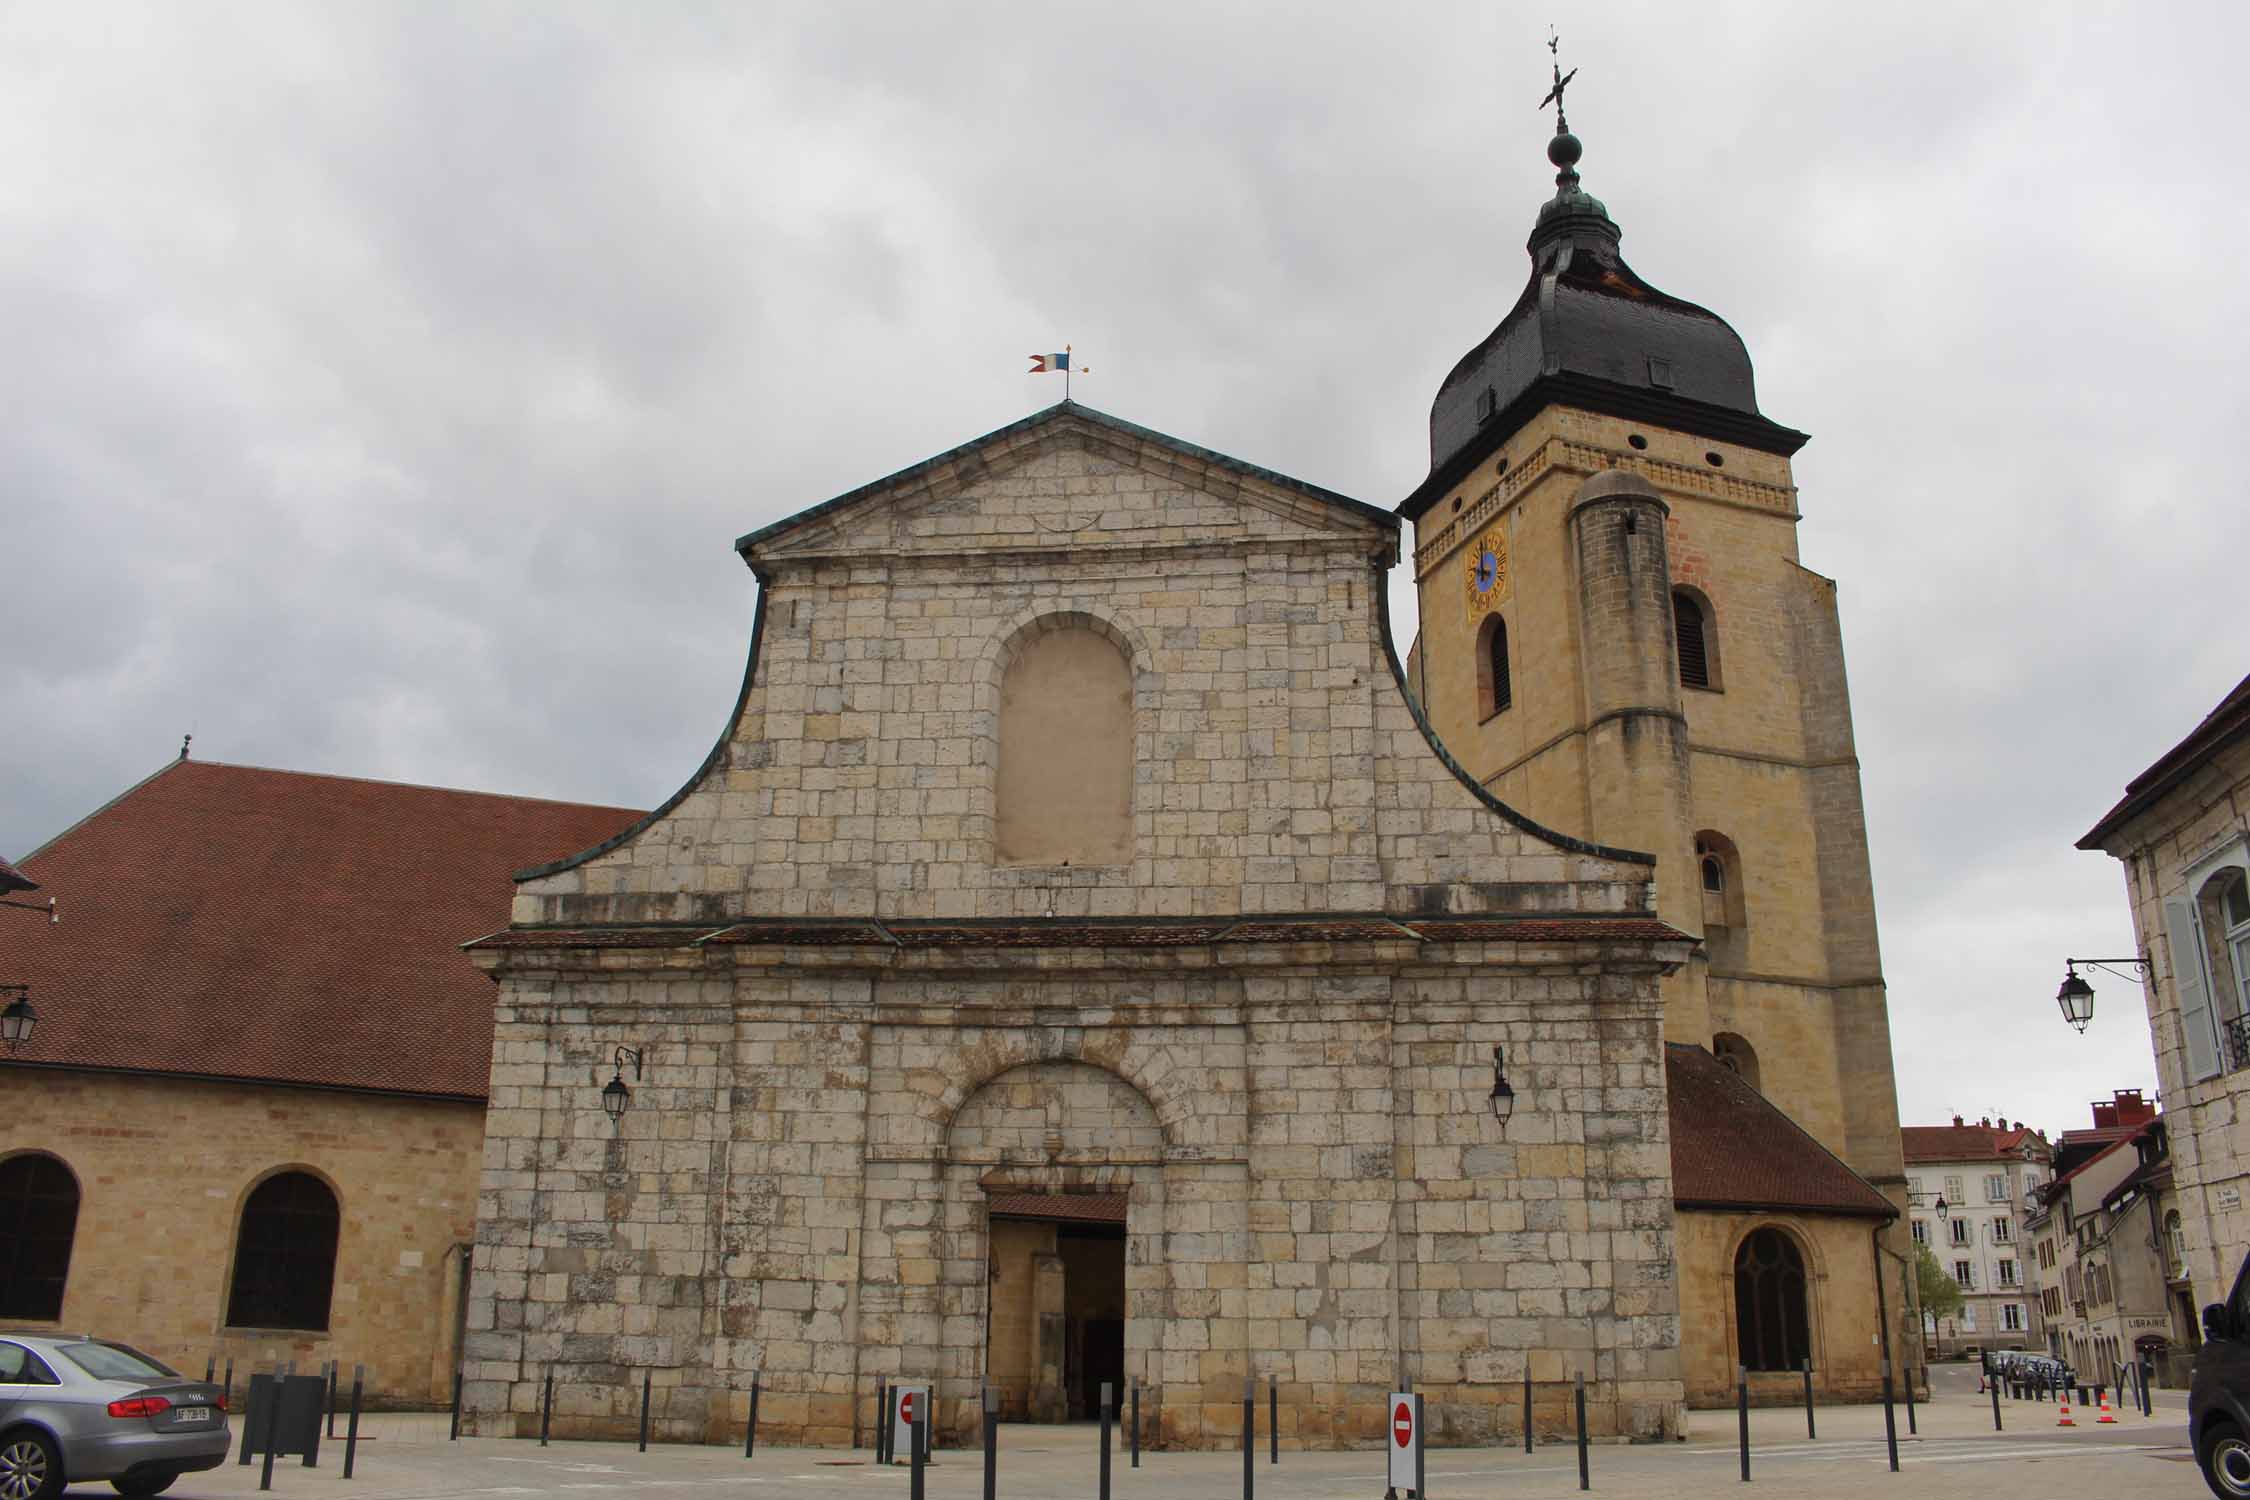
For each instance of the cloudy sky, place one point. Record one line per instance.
(385, 384)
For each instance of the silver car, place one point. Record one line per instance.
(74, 1407)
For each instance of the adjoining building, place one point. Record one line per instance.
(1082, 957)
(2182, 833)
(1969, 1187)
(2106, 1237)
(248, 1122)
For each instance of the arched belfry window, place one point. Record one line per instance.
(285, 1255)
(1064, 785)
(38, 1223)
(1718, 870)
(1737, 1056)
(1495, 689)
(1771, 1329)
(1696, 629)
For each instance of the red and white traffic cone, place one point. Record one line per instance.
(2103, 1397)
(2065, 1422)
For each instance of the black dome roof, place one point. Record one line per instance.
(1589, 332)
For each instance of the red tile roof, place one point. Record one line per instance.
(1733, 1149)
(1075, 1208)
(231, 922)
(1938, 1143)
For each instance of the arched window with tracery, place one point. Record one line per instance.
(1695, 627)
(285, 1255)
(1495, 684)
(38, 1224)
(1771, 1328)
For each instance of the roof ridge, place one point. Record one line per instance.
(171, 764)
(404, 786)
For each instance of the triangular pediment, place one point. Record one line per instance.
(1067, 476)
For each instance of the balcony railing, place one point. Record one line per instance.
(2236, 1032)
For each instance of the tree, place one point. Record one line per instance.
(1940, 1293)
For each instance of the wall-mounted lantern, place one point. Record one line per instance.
(2076, 996)
(1503, 1096)
(17, 1017)
(616, 1097)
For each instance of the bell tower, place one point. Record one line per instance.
(1617, 637)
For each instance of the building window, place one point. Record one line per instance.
(1921, 1233)
(2007, 1269)
(1996, 1188)
(1966, 1274)
(1953, 1191)
(38, 1222)
(1737, 1055)
(1495, 687)
(2209, 946)
(285, 1256)
(1696, 630)
(1960, 1231)
(1770, 1324)
(1719, 871)
(1063, 791)
(2003, 1231)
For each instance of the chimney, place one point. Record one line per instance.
(2132, 1109)
(1986, 1122)
(2105, 1115)
(1957, 1120)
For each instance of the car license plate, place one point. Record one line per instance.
(191, 1414)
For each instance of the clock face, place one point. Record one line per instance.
(1488, 570)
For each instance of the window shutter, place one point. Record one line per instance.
(2199, 1030)
(1687, 626)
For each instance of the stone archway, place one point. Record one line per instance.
(1053, 1196)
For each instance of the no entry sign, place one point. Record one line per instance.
(1406, 1440)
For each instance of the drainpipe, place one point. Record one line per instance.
(1882, 1302)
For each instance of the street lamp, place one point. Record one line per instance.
(18, 1018)
(1503, 1096)
(2076, 996)
(616, 1097)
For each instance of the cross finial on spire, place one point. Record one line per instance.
(1562, 81)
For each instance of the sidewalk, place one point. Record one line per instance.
(1956, 1448)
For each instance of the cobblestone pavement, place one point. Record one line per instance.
(408, 1458)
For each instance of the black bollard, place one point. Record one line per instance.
(750, 1428)
(1911, 1429)
(992, 1440)
(272, 1428)
(882, 1421)
(455, 1431)
(1809, 1432)
(351, 1426)
(1742, 1415)
(546, 1405)
(2148, 1402)
(1995, 1387)
(1527, 1406)
(1582, 1480)
(1890, 1422)
(646, 1377)
(1249, 1436)
(1273, 1414)
(1136, 1427)
(1107, 1398)
(228, 1397)
(249, 1422)
(918, 1440)
(1421, 1450)
(335, 1368)
(210, 1368)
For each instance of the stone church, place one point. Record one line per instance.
(1084, 957)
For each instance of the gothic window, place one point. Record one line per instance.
(1771, 1328)
(38, 1222)
(1064, 786)
(285, 1255)
(1696, 629)
(1495, 690)
(1737, 1055)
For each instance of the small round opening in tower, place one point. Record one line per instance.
(1636, 440)
(1715, 460)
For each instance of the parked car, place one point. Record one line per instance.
(2219, 1393)
(74, 1407)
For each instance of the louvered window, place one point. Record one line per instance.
(1502, 693)
(1688, 624)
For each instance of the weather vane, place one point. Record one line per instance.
(1562, 81)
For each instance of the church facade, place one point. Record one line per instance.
(1082, 959)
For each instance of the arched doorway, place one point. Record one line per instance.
(1052, 1180)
